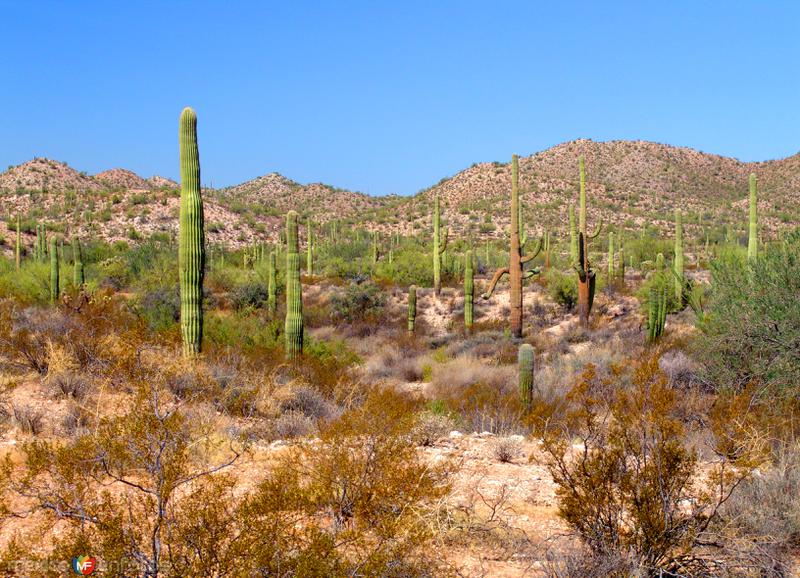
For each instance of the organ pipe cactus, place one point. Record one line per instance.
(516, 260)
(18, 248)
(54, 279)
(310, 249)
(752, 240)
(469, 291)
(77, 263)
(526, 365)
(272, 285)
(294, 297)
(679, 279)
(191, 241)
(439, 247)
(586, 275)
(412, 307)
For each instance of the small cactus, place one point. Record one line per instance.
(18, 248)
(294, 291)
(310, 249)
(412, 307)
(55, 290)
(469, 291)
(272, 282)
(191, 244)
(77, 263)
(680, 282)
(752, 240)
(610, 258)
(439, 247)
(526, 365)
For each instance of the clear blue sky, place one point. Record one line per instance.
(389, 97)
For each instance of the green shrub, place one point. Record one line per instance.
(360, 302)
(751, 331)
(563, 288)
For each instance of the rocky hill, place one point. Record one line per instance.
(631, 185)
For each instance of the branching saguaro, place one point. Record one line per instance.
(516, 260)
(191, 245)
(586, 275)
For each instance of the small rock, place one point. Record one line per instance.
(455, 434)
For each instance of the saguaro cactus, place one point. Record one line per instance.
(294, 291)
(573, 236)
(586, 275)
(55, 290)
(752, 240)
(679, 280)
(18, 248)
(272, 285)
(657, 302)
(310, 248)
(412, 307)
(526, 365)
(610, 258)
(469, 291)
(77, 263)
(375, 248)
(516, 260)
(191, 242)
(439, 247)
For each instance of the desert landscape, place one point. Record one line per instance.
(399, 290)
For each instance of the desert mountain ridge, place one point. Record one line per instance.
(631, 184)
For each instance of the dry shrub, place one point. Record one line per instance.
(27, 418)
(506, 449)
(69, 384)
(431, 427)
(480, 407)
(293, 424)
(76, 420)
(680, 370)
(630, 488)
(306, 401)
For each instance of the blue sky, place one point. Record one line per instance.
(389, 97)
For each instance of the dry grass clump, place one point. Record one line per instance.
(393, 364)
(506, 449)
(431, 427)
(27, 418)
(293, 424)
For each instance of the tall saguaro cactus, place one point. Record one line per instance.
(657, 302)
(439, 247)
(680, 284)
(191, 241)
(610, 258)
(752, 240)
(294, 292)
(310, 249)
(77, 263)
(525, 363)
(18, 248)
(573, 236)
(272, 285)
(55, 289)
(586, 275)
(516, 260)
(469, 292)
(412, 307)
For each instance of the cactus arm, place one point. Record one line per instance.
(597, 231)
(443, 244)
(531, 272)
(533, 255)
(493, 283)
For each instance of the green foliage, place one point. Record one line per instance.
(751, 331)
(359, 302)
(563, 288)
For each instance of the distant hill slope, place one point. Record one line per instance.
(631, 184)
